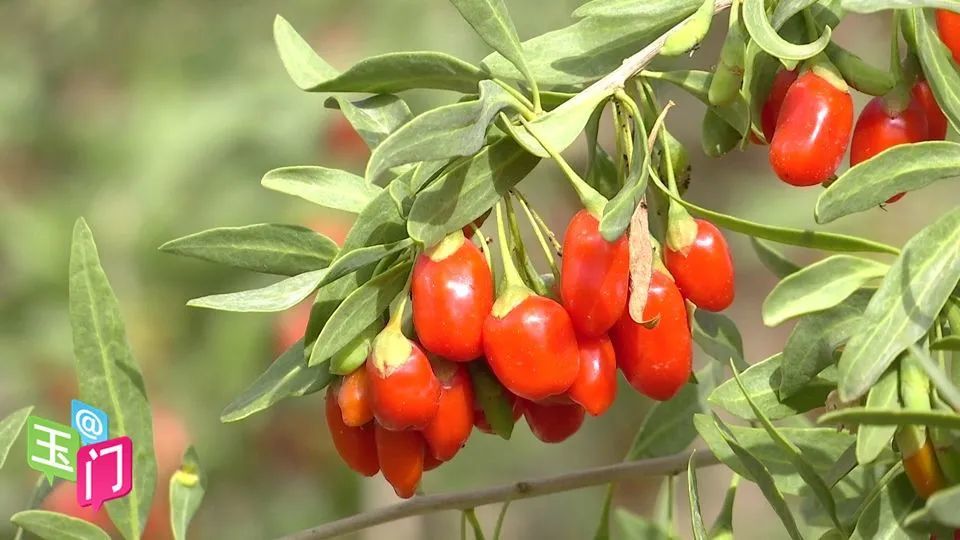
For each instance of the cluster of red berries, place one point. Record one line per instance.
(412, 405)
(808, 120)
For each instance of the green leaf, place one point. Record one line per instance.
(393, 72)
(353, 260)
(696, 520)
(287, 376)
(330, 188)
(764, 480)
(783, 235)
(945, 389)
(804, 469)
(949, 343)
(892, 417)
(187, 487)
(492, 398)
(109, 376)
(872, 6)
(821, 447)
(762, 380)
(902, 168)
(467, 190)
(358, 311)
(813, 341)
(884, 516)
(491, 20)
(287, 250)
(559, 128)
(938, 66)
(722, 528)
(277, 297)
(941, 507)
(380, 222)
(772, 259)
(871, 439)
(717, 137)
(908, 301)
(697, 83)
(56, 526)
(764, 35)
(718, 336)
(10, 429)
(374, 118)
(328, 299)
(633, 527)
(819, 286)
(618, 212)
(442, 133)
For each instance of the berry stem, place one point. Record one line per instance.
(520, 250)
(510, 274)
(540, 222)
(547, 252)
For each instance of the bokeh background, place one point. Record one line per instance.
(157, 119)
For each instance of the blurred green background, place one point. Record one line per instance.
(157, 119)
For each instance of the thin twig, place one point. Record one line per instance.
(463, 500)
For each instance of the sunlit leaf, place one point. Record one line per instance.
(938, 66)
(10, 429)
(873, 439)
(892, 417)
(277, 297)
(762, 381)
(884, 516)
(330, 188)
(56, 526)
(375, 117)
(764, 34)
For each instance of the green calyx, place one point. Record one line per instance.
(824, 68)
(390, 350)
(681, 230)
(446, 247)
(509, 299)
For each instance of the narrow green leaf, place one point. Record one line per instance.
(560, 127)
(762, 381)
(353, 260)
(872, 6)
(10, 429)
(718, 336)
(891, 417)
(804, 469)
(940, 380)
(56, 526)
(442, 133)
(696, 520)
(819, 286)
(859, 74)
(938, 66)
(908, 301)
(873, 439)
(277, 297)
(902, 168)
(884, 516)
(764, 34)
(358, 310)
(772, 259)
(330, 188)
(380, 222)
(491, 20)
(287, 250)
(764, 480)
(722, 528)
(187, 487)
(382, 74)
(949, 343)
(374, 118)
(618, 212)
(717, 137)
(287, 376)
(783, 235)
(467, 190)
(814, 340)
(109, 376)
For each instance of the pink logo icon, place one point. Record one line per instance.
(104, 471)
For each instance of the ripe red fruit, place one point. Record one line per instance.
(553, 423)
(353, 397)
(355, 445)
(595, 276)
(596, 385)
(948, 24)
(656, 361)
(401, 459)
(879, 128)
(705, 275)
(813, 131)
(530, 345)
(429, 462)
(936, 120)
(771, 108)
(451, 427)
(452, 292)
(480, 419)
(405, 392)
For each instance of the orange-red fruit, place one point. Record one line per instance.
(771, 108)
(948, 23)
(553, 423)
(705, 275)
(353, 396)
(405, 392)
(450, 428)
(595, 276)
(656, 361)
(429, 462)
(936, 120)
(596, 385)
(878, 129)
(401, 459)
(452, 295)
(532, 349)
(356, 445)
(923, 470)
(480, 419)
(813, 131)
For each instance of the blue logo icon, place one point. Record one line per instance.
(90, 422)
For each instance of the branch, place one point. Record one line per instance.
(462, 500)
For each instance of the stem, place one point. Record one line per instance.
(542, 224)
(895, 49)
(526, 112)
(475, 523)
(526, 265)
(464, 500)
(396, 317)
(547, 252)
(591, 199)
(510, 273)
(535, 90)
(500, 518)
